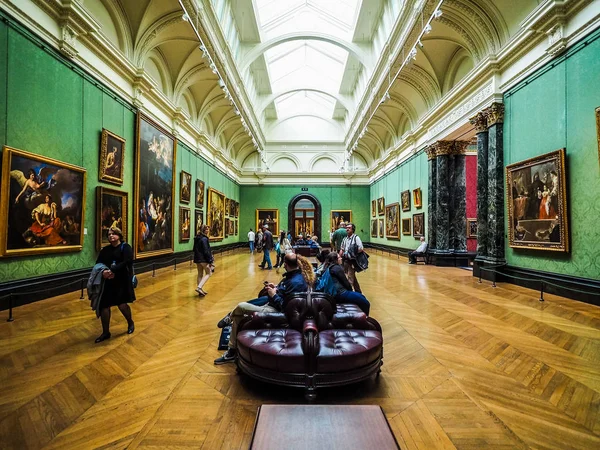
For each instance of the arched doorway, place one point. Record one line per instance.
(304, 215)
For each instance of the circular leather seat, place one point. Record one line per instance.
(345, 308)
(274, 349)
(341, 350)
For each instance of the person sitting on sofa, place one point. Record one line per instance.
(420, 251)
(300, 240)
(343, 288)
(297, 278)
(321, 256)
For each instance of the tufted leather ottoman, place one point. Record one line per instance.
(343, 350)
(273, 349)
(345, 308)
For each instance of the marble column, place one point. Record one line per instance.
(458, 184)
(480, 123)
(432, 197)
(443, 200)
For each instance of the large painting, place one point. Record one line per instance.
(406, 226)
(41, 203)
(339, 216)
(418, 198)
(185, 224)
(419, 225)
(374, 228)
(154, 190)
(185, 187)
(537, 203)
(111, 211)
(373, 208)
(215, 215)
(199, 221)
(268, 217)
(405, 199)
(112, 158)
(199, 194)
(392, 221)
(380, 206)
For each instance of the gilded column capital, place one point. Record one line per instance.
(430, 152)
(479, 120)
(460, 147)
(495, 114)
(444, 148)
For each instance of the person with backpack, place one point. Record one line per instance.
(333, 282)
(351, 246)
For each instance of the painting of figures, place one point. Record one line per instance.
(381, 228)
(42, 204)
(406, 227)
(405, 199)
(199, 194)
(537, 203)
(112, 158)
(185, 224)
(339, 216)
(417, 198)
(154, 190)
(374, 228)
(111, 211)
(185, 187)
(471, 228)
(373, 208)
(268, 217)
(392, 221)
(419, 225)
(215, 216)
(199, 221)
(380, 206)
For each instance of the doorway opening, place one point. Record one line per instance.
(304, 216)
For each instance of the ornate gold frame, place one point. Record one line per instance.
(100, 192)
(182, 210)
(418, 195)
(183, 174)
(209, 219)
(375, 224)
(405, 194)
(275, 219)
(381, 206)
(104, 152)
(349, 219)
(418, 235)
(373, 208)
(387, 208)
(404, 221)
(381, 227)
(469, 234)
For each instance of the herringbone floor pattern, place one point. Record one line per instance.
(465, 366)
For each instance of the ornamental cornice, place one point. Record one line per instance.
(479, 121)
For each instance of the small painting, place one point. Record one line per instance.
(419, 225)
(231, 227)
(471, 228)
(199, 194)
(185, 185)
(227, 224)
(392, 221)
(406, 227)
(112, 158)
(185, 224)
(417, 198)
(405, 199)
(227, 208)
(339, 216)
(42, 203)
(199, 221)
(537, 203)
(232, 208)
(237, 209)
(111, 211)
(268, 217)
(373, 208)
(381, 223)
(380, 206)
(215, 216)
(374, 228)
(236, 228)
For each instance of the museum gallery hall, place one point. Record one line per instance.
(267, 224)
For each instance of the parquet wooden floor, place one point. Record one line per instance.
(466, 365)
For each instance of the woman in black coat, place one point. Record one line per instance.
(203, 258)
(118, 288)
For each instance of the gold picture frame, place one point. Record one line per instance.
(405, 199)
(111, 211)
(418, 198)
(270, 217)
(34, 220)
(199, 194)
(373, 208)
(392, 221)
(185, 187)
(381, 226)
(406, 227)
(471, 228)
(374, 228)
(338, 216)
(418, 223)
(112, 158)
(185, 224)
(198, 221)
(215, 214)
(380, 206)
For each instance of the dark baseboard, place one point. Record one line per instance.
(29, 290)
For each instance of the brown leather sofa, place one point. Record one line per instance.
(310, 346)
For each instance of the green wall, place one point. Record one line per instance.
(553, 109)
(51, 108)
(354, 198)
(410, 175)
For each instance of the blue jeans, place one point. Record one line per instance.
(354, 298)
(260, 301)
(267, 259)
(251, 246)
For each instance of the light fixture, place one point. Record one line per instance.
(413, 53)
(420, 43)
(185, 17)
(437, 14)
(427, 29)
(221, 83)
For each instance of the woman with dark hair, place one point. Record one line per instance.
(118, 287)
(282, 247)
(343, 288)
(321, 257)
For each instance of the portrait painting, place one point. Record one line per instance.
(231, 227)
(112, 158)
(419, 225)
(417, 198)
(227, 207)
(380, 206)
(381, 228)
(199, 194)
(406, 227)
(471, 228)
(185, 187)
(373, 208)
(392, 221)
(215, 215)
(237, 209)
(154, 190)
(236, 228)
(537, 203)
(111, 211)
(232, 208)
(374, 228)
(185, 224)
(339, 216)
(268, 217)
(198, 221)
(227, 225)
(42, 203)
(405, 199)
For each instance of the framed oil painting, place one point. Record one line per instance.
(199, 194)
(338, 216)
(537, 203)
(154, 190)
(42, 203)
(237, 209)
(185, 224)
(380, 206)
(231, 208)
(185, 187)
(418, 198)
(381, 224)
(419, 225)
(268, 217)
(236, 228)
(198, 221)
(392, 221)
(374, 228)
(406, 227)
(111, 211)
(227, 224)
(231, 227)
(112, 158)
(373, 208)
(227, 207)
(215, 215)
(471, 228)
(405, 199)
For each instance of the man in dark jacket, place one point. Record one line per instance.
(267, 247)
(292, 282)
(203, 258)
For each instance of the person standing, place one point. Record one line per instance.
(259, 240)
(338, 237)
(251, 237)
(282, 248)
(349, 248)
(267, 247)
(203, 258)
(118, 287)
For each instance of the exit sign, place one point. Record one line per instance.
(305, 189)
